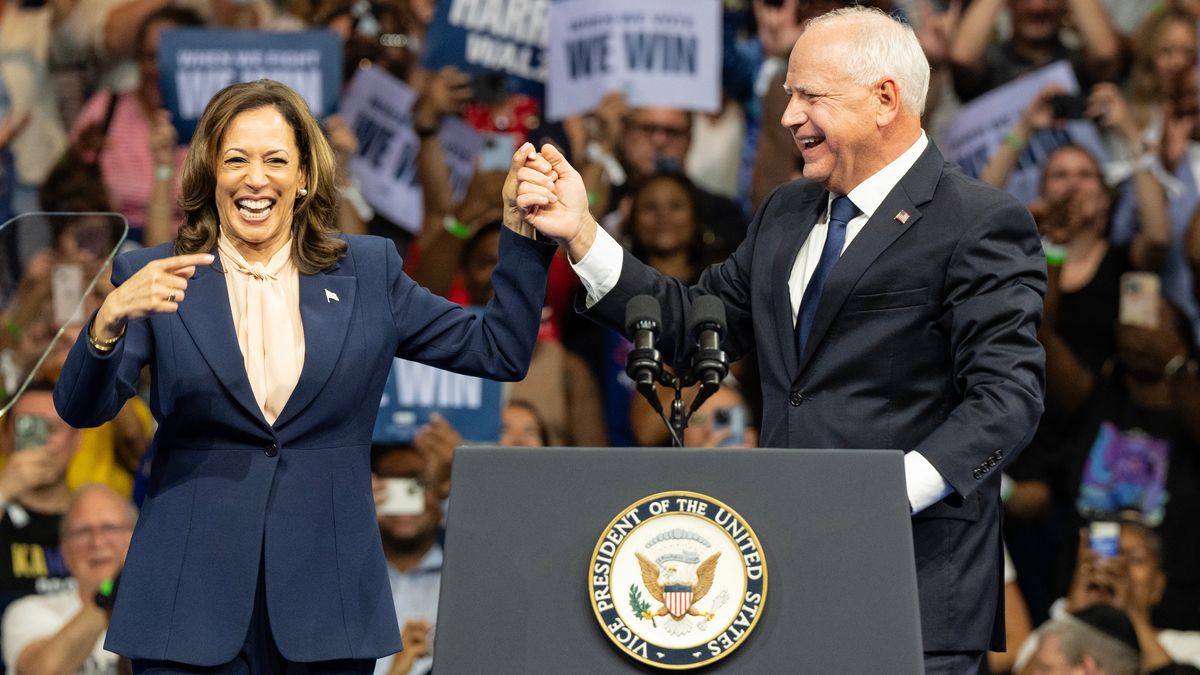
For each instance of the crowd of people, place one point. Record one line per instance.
(83, 130)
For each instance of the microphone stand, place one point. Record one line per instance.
(678, 421)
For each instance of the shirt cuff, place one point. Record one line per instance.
(926, 486)
(600, 267)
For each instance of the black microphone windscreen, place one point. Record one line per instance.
(707, 310)
(642, 309)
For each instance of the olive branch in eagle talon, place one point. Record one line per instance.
(655, 579)
(640, 607)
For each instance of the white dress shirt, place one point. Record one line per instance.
(600, 269)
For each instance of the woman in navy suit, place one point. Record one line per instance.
(268, 338)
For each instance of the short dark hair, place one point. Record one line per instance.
(181, 17)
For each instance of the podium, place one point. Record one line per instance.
(524, 524)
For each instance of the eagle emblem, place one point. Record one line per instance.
(675, 588)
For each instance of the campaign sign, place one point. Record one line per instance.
(980, 126)
(414, 391)
(461, 146)
(506, 36)
(658, 52)
(196, 63)
(378, 108)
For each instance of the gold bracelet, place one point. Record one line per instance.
(105, 346)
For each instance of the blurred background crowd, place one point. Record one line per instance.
(83, 129)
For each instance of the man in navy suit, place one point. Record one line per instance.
(892, 302)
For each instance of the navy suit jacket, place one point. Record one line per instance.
(226, 486)
(925, 339)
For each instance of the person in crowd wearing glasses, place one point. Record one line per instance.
(63, 632)
(38, 447)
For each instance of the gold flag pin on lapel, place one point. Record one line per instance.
(902, 216)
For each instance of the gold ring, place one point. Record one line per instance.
(171, 297)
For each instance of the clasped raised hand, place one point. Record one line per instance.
(552, 198)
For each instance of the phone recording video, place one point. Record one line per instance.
(405, 497)
(1068, 106)
(31, 432)
(732, 418)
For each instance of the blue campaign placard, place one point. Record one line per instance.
(414, 391)
(504, 36)
(196, 63)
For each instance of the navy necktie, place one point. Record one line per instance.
(841, 212)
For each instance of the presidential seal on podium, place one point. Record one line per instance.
(678, 580)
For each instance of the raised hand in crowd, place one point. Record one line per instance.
(157, 288)
(1161, 355)
(937, 29)
(416, 635)
(595, 138)
(436, 441)
(26, 471)
(164, 145)
(353, 211)
(1108, 107)
(1180, 113)
(344, 144)
(1038, 115)
(440, 94)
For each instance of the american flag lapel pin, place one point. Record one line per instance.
(330, 296)
(902, 216)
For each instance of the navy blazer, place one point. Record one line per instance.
(225, 486)
(925, 339)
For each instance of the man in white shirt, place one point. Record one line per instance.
(409, 530)
(63, 632)
(910, 315)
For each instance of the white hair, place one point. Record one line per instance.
(1077, 639)
(88, 488)
(882, 47)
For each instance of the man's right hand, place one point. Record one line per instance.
(555, 202)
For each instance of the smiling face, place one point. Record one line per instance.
(1037, 21)
(834, 121)
(1071, 171)
(96, 536)
(1175, 54)
(664, 220)
(259, 175)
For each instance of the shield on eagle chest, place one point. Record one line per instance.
(677, 598)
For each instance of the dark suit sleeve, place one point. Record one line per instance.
(94, 385)
(993, 305)
(728, 280)
(497, 344)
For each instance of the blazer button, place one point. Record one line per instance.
(796, 399)
(271, 450)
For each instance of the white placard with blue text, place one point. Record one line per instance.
(196, 63)
(658, 52)
(378, 109)
(415, 391)
(980, 126)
